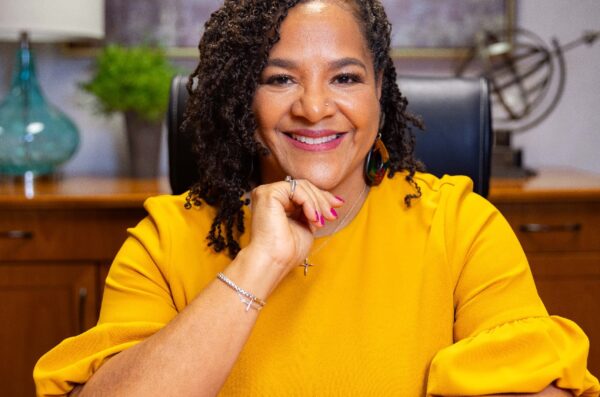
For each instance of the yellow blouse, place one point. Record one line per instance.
(435, 299)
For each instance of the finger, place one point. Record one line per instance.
(336, 201)
(313, 227)
(312, 209)
(324, 209)
(304, 201)
(317, 216)
(327, 202)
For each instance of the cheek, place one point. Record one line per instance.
(268, 110)
(267, 117)
(261, 116)
(362, 111)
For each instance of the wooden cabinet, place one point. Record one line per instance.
(556, 217)
(57, 239)
(40, 304)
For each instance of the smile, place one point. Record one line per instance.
(319, 142)
(314, 141)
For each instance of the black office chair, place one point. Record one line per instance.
(456, 141)
(458, 129)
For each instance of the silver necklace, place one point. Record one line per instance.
(306, 264)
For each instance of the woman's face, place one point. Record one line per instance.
(317, 104)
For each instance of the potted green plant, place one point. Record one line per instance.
(135, 81)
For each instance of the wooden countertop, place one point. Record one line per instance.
(80, 191)
(550, 184)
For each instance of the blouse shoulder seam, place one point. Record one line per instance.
(436, 187)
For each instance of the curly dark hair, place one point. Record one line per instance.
(233, 52)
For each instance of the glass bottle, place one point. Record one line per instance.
(35, 137)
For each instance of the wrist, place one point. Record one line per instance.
(255, 271)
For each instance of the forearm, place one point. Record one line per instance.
(195, 352)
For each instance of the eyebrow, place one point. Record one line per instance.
(337, 64)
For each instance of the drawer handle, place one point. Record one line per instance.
(541, 228)
(17, 235)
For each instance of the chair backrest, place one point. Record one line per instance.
(458, 129)
(456, 141)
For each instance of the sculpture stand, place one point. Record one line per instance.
(507, 162)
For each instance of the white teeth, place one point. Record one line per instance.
(314, 141)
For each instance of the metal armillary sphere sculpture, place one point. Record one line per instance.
(527, 79)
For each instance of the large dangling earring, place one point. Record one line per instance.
(377, 163)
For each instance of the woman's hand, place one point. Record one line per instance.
(282, 227)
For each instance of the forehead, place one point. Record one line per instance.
(321, 26)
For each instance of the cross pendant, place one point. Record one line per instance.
(306, 265)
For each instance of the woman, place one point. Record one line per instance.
(403, 287)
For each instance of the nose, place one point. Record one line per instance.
(313, 104)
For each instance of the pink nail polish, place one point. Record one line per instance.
(340, 199)
(334, 212)
(322, 220)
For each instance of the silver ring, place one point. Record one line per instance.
(293, 183)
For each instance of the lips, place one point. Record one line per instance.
(313, 140)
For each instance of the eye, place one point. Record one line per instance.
(347, 78)
(279, 80)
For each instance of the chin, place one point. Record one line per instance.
(324, 178)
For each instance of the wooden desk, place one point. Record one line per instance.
(64, 234)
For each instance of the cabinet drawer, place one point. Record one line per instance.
(555, 226)
(79, 234)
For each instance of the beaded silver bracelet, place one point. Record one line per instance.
(248, 299)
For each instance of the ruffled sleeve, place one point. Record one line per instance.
(76, 359)
(136, 304)
(504, 340)
(521, 356)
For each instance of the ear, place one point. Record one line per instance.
(379, 85)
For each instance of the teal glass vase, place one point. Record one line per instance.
(35, 136)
